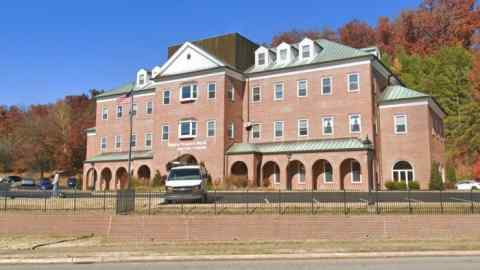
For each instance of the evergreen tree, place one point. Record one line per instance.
(435, 178)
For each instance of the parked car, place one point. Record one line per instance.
(467, 185)
(72, 182)
(27, 183)
(13, 180)
(45, 184)
(186, 183)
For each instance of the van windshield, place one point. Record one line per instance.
(184, 174)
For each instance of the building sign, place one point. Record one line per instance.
(200, 145)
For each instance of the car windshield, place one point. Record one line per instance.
(184, 174)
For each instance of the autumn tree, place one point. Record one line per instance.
(357, 34)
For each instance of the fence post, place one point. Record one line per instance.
(471, 201)
(345, 202)
(181, 202)
(149, 202)
(377, 209)
(441, 201)
(215, 199)
(74, 199)
(5, 202)
(409, 201)
(104, 201)
(313, 212)
(279, 202)
(246, 200)
(45, 202)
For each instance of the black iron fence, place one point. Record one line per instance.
(246, 202)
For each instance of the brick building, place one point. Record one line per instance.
(315, 114)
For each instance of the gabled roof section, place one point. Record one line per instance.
(126, 88)
(188, 58)
(330, 51)
(323, 145)
(398, 92)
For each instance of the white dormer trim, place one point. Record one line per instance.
(268, 55)
(143, 77)
(313, 48)
(289, 53)
(181, 50)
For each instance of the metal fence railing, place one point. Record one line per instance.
(246, 202)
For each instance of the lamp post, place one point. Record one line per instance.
(130, 94)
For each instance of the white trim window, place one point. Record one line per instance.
(283, 54)
(403, 172)
(400, 123)
(303, 128)
(133, 140)
(148, 140)
(211, 128)
(302, 88)
(231, 94)
(165, 132)
(327, 125)
(167, 95)
(118, 142)
(327, 86)
(306, 51)
(104, 113)
(212, 90)
(278, 91)
(327, 172)
(355, 123)
(141, 79)
(149, 107)
(119, 111)
(256, 131)
(134, 109)
(356, 172)
(187, 129)
(256, 94)
(353, 82)
(261, 59)
(103, 144)
(278, 128)
(231, 130)
(188, 92)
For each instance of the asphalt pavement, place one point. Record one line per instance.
(405, 263)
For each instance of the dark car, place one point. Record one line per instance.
(72, 182)
(45, 184)
(13, 180)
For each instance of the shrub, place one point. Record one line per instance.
(435, 178)
(451, 174)
(158, 180)
(237, 181)
(390, 185)
(414, 185)
(401, 185)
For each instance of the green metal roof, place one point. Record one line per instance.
(91, 130)
(120, 156)
(323, 145)
(331, 51)
(398, 92)
(124, 89)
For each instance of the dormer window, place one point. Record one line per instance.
(283, 54)
(141, 79)
(306, 51)
(261, 59)
(188, 92)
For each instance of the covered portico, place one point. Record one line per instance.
(326, 164)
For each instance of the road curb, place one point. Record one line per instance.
(116, 257)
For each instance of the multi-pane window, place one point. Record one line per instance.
(119, 111)
(256, 129)
(166, 96)
(149, 107)
(104, 113)
(403, 172)
(118, 142)
(211, 128)
(303, 127)
(134, 109)
(278, 129)
(305, 51)
(327, 125)
(231, 130)
(212, 90)
(353, 82)
(355, 123)
(256, 94)
(327, 172)
(327, 86)
(165, 132)
(261, 59)
(148, 140)
(231, 93)
(302, 88)
(133, 140)
(188, 92)
(400, 124)
(141, 79)
(278, 91)
(283, 54)
(356, 173)
(188, 129)
(103, 144)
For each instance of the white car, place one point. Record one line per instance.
(467, 185)
(186, 183)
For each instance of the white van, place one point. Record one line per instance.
(186, 183)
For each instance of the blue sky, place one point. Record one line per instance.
(49, 49)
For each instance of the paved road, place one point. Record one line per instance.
(437, 263)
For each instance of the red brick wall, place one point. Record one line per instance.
(254, 228)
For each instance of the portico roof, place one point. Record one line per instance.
(120, 156)
(322, 145)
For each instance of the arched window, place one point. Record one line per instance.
(403, 171)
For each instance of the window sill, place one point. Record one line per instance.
(187, 100)
(187, 137)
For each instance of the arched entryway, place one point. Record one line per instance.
(239, 168)
(350, 170)
(121, 178)
(105, 178)
(185, 159)
(91, 179)
(270, 174)
(322, 172)
(144, 174)
(295, 174)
